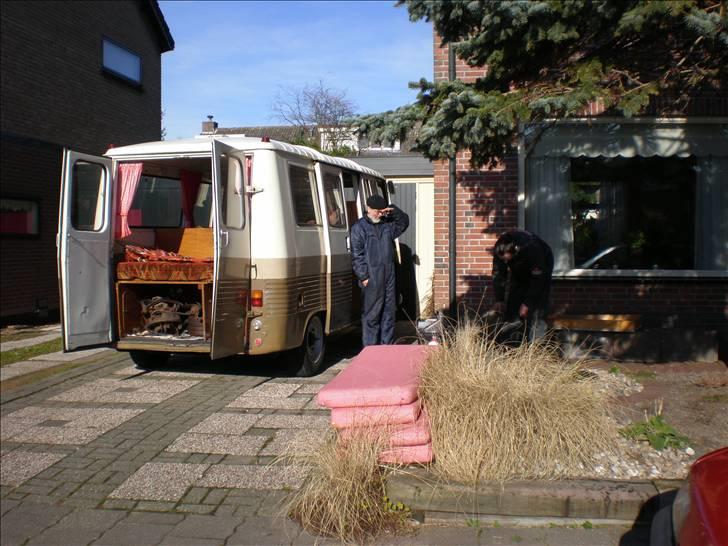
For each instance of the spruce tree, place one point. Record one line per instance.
(549, 59)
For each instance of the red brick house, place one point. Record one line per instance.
(81, 75)
(636, 212)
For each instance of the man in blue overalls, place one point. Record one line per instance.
(372, 254)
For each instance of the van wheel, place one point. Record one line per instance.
(147, 360)
(310, 355)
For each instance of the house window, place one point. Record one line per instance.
(122, 62)
(633, 213)
(19, 217)
(630, 196)
(303, 189)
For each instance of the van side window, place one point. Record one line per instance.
(334, 201)
(303, 190)
(233, 208)
(89, 190)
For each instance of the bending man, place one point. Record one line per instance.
(372, 248)
(529, 262)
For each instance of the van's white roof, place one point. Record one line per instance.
(202, 146)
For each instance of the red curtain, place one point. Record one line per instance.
(190, 181)
(129, 176)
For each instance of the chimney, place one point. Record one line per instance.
(209, 127)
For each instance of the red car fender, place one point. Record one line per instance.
(707, 521)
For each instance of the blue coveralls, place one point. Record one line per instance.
(372, 247)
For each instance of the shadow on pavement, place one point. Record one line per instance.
(339, 346)
(639, 534)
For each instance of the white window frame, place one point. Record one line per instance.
(614, 273)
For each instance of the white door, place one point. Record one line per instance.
(231, 229)
(338, 256)
(84, 247)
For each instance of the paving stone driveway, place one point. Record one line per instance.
(119, 456)
(108, 455)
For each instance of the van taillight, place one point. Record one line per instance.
(256, 298)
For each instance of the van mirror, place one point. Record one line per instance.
(390, 187)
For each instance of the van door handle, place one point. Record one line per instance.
(224, 238)
(348, 244)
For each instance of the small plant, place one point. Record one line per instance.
(587, 525)
(473, 523)
(615, 370)
(716, 398)
(640, 376)
(657, 432)
(517, 538)
(496, 524)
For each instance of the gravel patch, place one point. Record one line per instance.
(160, 481)
(16, 467)
(254, 477)
(295, 442)
(222, 444)
(130, 391)
(226, 423)
(36, 424)
(293, 421)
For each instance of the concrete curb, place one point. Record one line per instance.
(578, 499)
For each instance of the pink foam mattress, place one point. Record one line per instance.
(380, 375)
(413, 434)
(421, 454)
(375, 415)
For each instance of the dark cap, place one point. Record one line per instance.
(377, 202)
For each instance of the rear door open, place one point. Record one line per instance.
(84, 250)
(230, 301)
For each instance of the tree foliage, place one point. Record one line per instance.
(549, 59)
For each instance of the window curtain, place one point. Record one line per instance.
(711, 213)
(548, 206)
(190, 181)
(129, 176)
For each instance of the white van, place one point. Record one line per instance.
(219, 245)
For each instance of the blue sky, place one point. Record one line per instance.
(231, 58)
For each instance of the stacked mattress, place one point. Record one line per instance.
(379, 389)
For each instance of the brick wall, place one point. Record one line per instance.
(487, 205)
(55, 92)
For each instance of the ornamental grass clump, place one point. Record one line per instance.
(500, 413)
(344, 495)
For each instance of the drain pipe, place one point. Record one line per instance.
(452, 209)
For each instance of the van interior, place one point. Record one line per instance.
(163, 264)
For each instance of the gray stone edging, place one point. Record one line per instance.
(584, 499)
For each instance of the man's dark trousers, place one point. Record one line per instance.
(379, 306)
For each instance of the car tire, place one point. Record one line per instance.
(148, 360)
(661, 528)
(309, 357)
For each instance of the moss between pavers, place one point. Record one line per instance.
(586, 499)
(25, 353)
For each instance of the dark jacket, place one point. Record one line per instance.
(531, 268)
(372, 244)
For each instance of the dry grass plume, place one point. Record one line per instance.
(501, 413)
(344, 495)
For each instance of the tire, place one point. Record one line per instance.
(310, 355)
(146, 360)
(661, 528)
